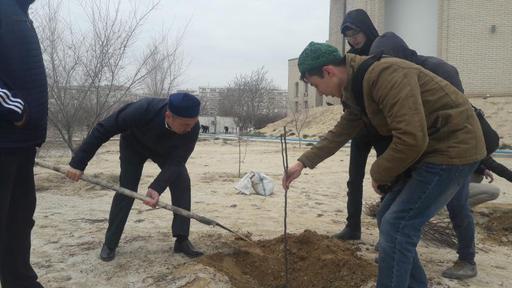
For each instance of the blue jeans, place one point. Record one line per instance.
(463, 223)
(402, 215)
(360, 147)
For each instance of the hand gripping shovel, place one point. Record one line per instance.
(140, 197)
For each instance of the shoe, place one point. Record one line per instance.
(185, 247)
(107, 254)
(348, 234)
(460, 270)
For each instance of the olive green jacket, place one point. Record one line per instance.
(429, 119)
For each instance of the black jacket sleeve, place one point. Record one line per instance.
(129, 116)
(176, 161)
(497, 168)
(11, 107)
(480, 170)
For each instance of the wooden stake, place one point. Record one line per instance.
(284, 155)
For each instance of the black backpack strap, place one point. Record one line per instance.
(358, 77)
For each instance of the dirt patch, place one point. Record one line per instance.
(496, 220)
(315, 261)
(210, 177)
(48, 181)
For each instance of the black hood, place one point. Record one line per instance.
(392, 45)
(359, 19)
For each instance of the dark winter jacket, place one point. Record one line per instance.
(359, 19)
(392, 45)
(23, 85)
(142, 126)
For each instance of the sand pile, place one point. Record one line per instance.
(319, 120)
(315, 261)
(322, 119)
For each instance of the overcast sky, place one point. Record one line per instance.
(227, 37)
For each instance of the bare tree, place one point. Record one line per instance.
(93, 69)
(166, 66)
(247, 98)
(60, 50)
(206, 106)
(298, 121)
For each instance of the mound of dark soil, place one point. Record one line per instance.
(315, 261)
(498, 223)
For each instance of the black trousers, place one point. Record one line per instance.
(132, 163)
(17, 206)
(359, 149)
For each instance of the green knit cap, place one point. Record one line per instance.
(317, 55)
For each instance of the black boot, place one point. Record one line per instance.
(107, 254)
(183, 245)
(348, 234)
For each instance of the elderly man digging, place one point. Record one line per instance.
(163, 130)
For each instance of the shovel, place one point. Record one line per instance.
(140, 197)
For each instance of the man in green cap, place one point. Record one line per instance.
(436, 138)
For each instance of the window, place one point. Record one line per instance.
(296, 106)
(296, 89)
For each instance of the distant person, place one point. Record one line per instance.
(23, 120)
(163, 130)
(358, 29)
(226, 129)
(408, 102)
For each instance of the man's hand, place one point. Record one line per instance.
(74, 174)
(381, 189)
(154, 198)
(375, 186)
(293, 173)
(489, 176)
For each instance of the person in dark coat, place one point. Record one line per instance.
(23, 120)
(458, 208)
(163, 130)
(358, 29)
(393, 45)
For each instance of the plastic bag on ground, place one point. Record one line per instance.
(255, 182)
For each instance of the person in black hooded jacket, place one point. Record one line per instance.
(358, 29)
(23, 118)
